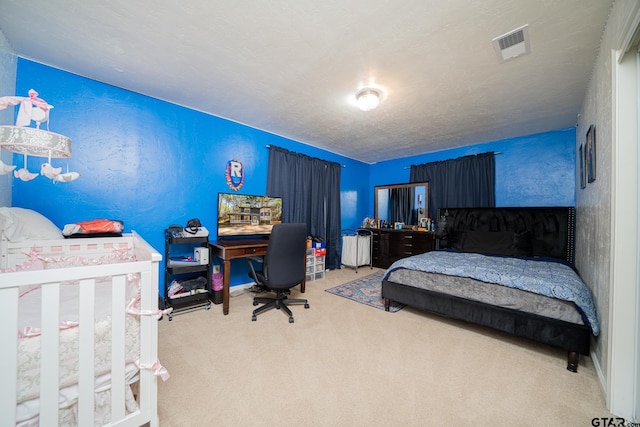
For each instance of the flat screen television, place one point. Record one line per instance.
(247, 215)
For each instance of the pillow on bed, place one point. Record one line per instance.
(497, 243)
(454, 239)
(488, 242)
(25, 224)
(522, 244)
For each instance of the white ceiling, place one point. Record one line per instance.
(292, 67)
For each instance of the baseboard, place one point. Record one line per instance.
(601, 378)
(236, 290)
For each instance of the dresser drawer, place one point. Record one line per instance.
(392, 245)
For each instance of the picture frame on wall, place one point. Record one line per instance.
(583, 178)
(590, 154)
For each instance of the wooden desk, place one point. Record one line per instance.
(227, 250)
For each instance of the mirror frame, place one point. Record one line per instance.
(391, 186)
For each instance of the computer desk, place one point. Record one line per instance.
(227, 250)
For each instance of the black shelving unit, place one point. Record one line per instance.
(195, 277)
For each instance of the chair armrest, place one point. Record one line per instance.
(253, 273)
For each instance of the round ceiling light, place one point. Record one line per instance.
(368, 98)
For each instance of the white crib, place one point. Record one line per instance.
(78, 392)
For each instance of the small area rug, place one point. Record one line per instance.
(366, 290)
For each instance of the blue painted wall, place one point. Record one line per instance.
(534, 170)
(151, 163)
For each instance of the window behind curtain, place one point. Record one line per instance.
(465, 182)
(310, 191)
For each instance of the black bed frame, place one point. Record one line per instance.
(553, 228)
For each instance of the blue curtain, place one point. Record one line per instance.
(310, 191)
(402, 202)
(465, 182)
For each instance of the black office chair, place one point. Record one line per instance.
(283, 267)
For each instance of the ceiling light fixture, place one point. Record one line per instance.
(368, 98)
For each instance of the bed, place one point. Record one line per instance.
(79, 326)
(504, 246)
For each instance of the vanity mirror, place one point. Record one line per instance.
(402, 203)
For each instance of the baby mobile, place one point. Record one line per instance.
(33, 141)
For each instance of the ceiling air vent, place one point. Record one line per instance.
(512, 44)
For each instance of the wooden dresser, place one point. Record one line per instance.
(391, 245)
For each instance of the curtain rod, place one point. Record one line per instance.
(344, 166)
(495, 153)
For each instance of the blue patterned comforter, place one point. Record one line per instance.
(549, 278)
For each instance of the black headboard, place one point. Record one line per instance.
(551, 229)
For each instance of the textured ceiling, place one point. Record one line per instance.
(291, 67)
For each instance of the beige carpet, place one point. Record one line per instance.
(347, 364)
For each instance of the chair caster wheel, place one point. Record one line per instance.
(306, 306)
(255, 303)
(170, 317)
(207, 307)
(291, 319)
(254, 318)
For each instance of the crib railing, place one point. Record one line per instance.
(146, 265)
